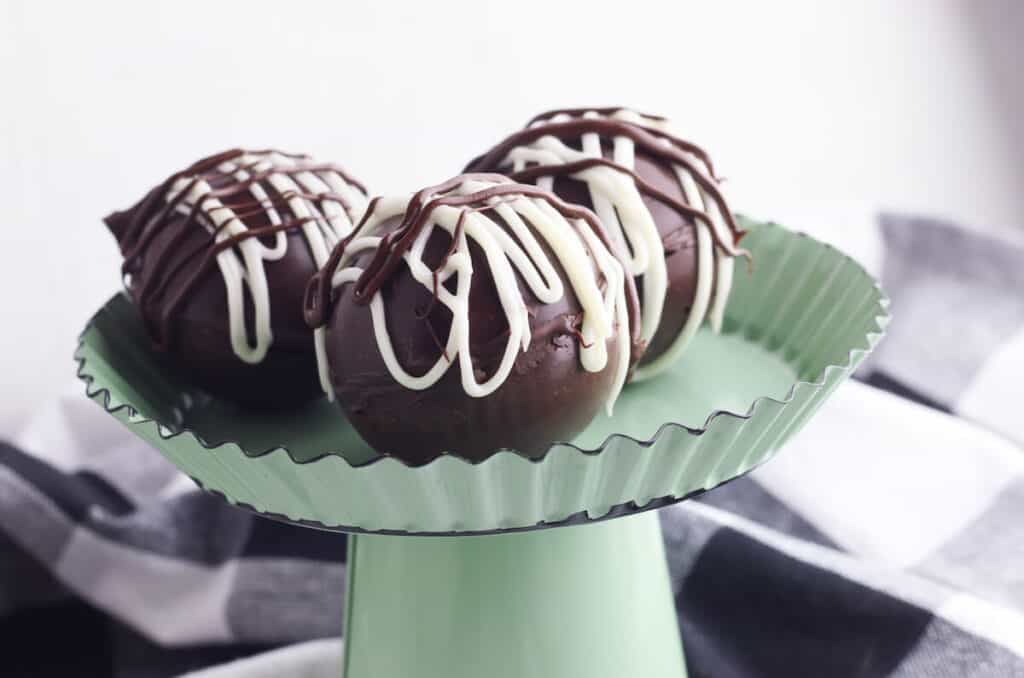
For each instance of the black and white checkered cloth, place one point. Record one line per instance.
(886, 540)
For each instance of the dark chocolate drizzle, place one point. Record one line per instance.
(648, 140)
(394, 244)
(136, 227)
(579, 112)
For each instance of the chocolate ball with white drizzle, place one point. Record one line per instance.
(217, 258)
(475, 315)
(659, 198)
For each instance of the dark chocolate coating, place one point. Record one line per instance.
(656, 153)
(171, 273)
(678, 236)
(199, 341)
(548, 396)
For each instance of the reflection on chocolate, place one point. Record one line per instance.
(476, 315)
(659, 198)
(217, 258)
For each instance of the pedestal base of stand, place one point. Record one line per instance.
(592, 601)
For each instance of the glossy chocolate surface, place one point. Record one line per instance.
(547, 397)
(171, 271)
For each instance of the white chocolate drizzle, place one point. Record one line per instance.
(512, 251)
(618, 202)
(318, 200)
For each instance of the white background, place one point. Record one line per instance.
(817, 111)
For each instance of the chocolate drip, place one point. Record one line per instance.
(136, 228)
(610, 111)
(649, 141)
(388, 256)
(580, 112)
(646, 188)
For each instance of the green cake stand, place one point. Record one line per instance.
(515, 567)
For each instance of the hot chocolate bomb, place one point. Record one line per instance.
(659, 199)
(476, 315)
(217, 259)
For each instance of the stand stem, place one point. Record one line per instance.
(592, 601)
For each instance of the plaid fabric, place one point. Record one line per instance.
(886, 540)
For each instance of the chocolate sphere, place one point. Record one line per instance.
(217, 259)
(474, 316)
(658, 197)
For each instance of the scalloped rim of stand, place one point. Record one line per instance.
(627, 508)
(832, 373)
(166, 433)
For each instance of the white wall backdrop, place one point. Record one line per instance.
(816, 110)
